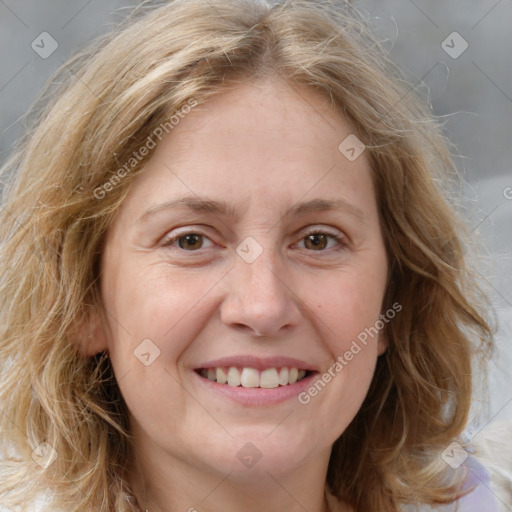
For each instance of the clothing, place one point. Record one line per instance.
(480, 499)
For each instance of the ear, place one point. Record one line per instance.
(90, 334)
(382, 344)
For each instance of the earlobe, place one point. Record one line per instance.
(90, 335)
(382, 345)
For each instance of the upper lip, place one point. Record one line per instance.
(258, 363)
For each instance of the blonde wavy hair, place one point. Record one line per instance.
(98, 111)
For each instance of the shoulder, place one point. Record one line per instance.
(492, 449)
(480, 495)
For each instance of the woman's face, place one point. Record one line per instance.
(250, 242)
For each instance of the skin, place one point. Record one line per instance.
(262, 148)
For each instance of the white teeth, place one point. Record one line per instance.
(269, 378)
(222, 378)
(233, 377)
(252, 378)
(283, 376)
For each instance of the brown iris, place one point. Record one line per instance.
(316, 241)
(190, 241)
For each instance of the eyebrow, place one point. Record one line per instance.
(327, 205)
(194, 204)
(221, 208)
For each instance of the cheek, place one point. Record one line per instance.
(151, 302)
(347, 305)
(168, 308)
(347, 308)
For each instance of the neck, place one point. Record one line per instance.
(178, 487)
(324, 507)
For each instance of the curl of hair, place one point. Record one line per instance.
(103, 105)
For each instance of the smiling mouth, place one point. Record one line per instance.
(253, 378)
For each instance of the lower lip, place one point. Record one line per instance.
(258, 396)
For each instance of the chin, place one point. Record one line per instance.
(246, 457)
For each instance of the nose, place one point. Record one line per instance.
(259, 300)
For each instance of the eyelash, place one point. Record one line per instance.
(340, 240)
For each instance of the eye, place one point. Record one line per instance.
(191, 241)
(321, 240)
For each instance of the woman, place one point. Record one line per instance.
(232, 277)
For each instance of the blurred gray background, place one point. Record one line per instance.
(457, 53)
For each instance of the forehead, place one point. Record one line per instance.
(273, 115)
(269, 142)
